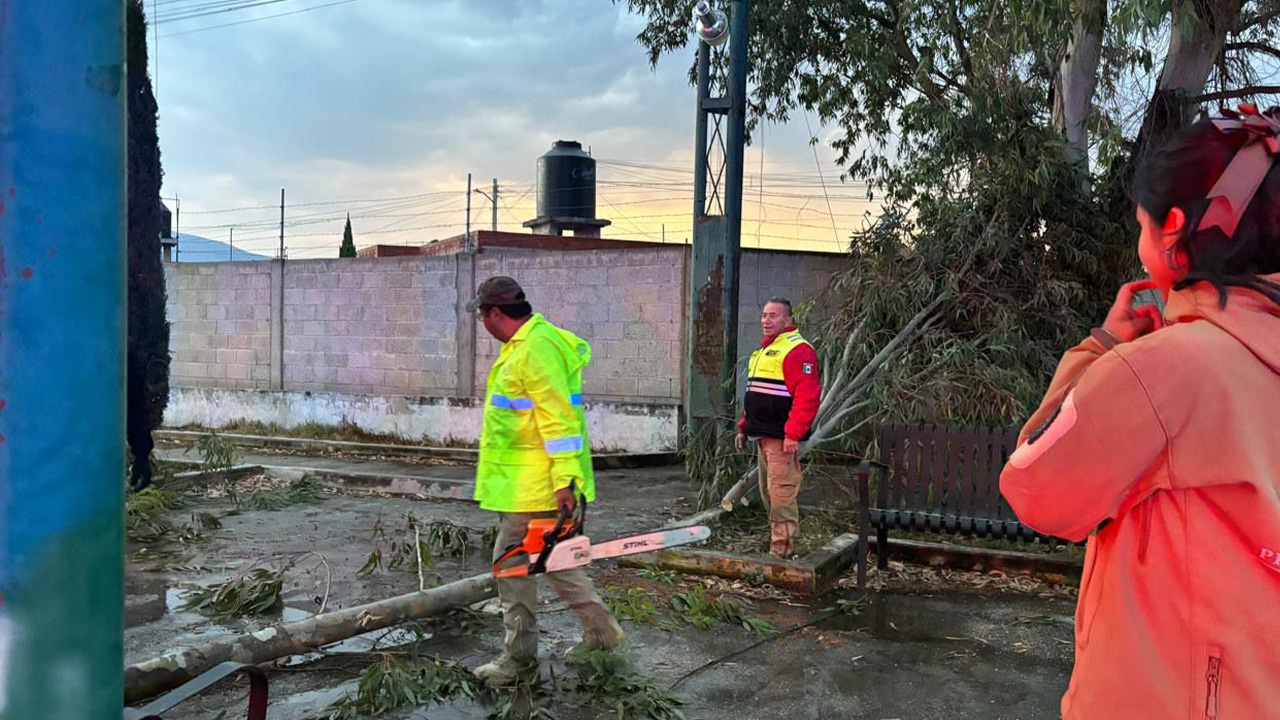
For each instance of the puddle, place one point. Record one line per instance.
(291, 614)
(377, 640)
(369, 642)
(192, 623)
(174, 599)
(886, 617)
(947, 620)
(313, 700)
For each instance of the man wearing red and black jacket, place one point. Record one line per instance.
(783, 394)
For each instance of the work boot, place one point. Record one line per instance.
(506, 670)
(782, 551)
(608, 638)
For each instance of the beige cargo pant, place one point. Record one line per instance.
(519, 596)
(780, 475)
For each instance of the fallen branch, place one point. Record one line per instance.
(154, 676)
(740, 489)
(417, 550)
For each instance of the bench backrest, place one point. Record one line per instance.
(947, 478)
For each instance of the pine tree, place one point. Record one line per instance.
(348, 244)
(148, 340)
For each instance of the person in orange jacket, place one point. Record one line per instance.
(1159, 441)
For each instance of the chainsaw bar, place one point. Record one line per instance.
(578, 552)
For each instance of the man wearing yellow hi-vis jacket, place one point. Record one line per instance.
(534, 457)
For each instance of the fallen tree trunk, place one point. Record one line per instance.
(843, 397)
(706, 517)
(738, 493)
(157, 675)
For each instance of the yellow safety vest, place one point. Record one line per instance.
(768, 401)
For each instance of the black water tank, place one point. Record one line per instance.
(166, 221)
(566, 182)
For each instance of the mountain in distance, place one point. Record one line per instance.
(194, 248)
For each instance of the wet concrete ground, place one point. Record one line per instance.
(948, 655)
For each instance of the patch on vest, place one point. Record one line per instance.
(807, 368)
(1047, 434)
(1043, 427)
(770, 353)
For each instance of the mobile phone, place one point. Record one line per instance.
(1149, 296)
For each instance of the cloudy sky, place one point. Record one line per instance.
(380, 108)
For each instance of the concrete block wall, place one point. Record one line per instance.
(389, 327)
(220, 324)
(628, 304)
(371, 326)
(612, 427)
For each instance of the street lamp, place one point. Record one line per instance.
(711, 23)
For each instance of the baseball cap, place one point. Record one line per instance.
(499, 290)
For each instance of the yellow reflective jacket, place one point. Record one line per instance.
(534, 438)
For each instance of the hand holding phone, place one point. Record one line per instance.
(1131, 317)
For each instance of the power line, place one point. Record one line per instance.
(259, 19)
(627, 220)
(813, 145)
(647, 184)
(213, 8)
(760, 203)
(330, 202)
(453, 207)
(301, 221)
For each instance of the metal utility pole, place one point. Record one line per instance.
(231, 243)
(493, 199)
(282, 225)
(467, 242)
(277, 311)
(62, 348)
(177, 229)
(711, 362)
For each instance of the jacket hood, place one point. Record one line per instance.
(575, 350)
(1250, 317)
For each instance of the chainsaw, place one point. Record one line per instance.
(552, 545)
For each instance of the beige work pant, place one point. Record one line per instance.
(779, 474)
(519, 596)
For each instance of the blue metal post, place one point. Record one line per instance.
(712, 327)
(700, 134)
(62, 358)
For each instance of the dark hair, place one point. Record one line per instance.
(515, 311)
(780, 301)
(1180, 174)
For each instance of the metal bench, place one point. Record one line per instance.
(939, 479)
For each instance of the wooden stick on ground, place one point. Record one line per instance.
(157, 675)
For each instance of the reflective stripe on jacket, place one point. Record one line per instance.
(534, 438)
(783, 390)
